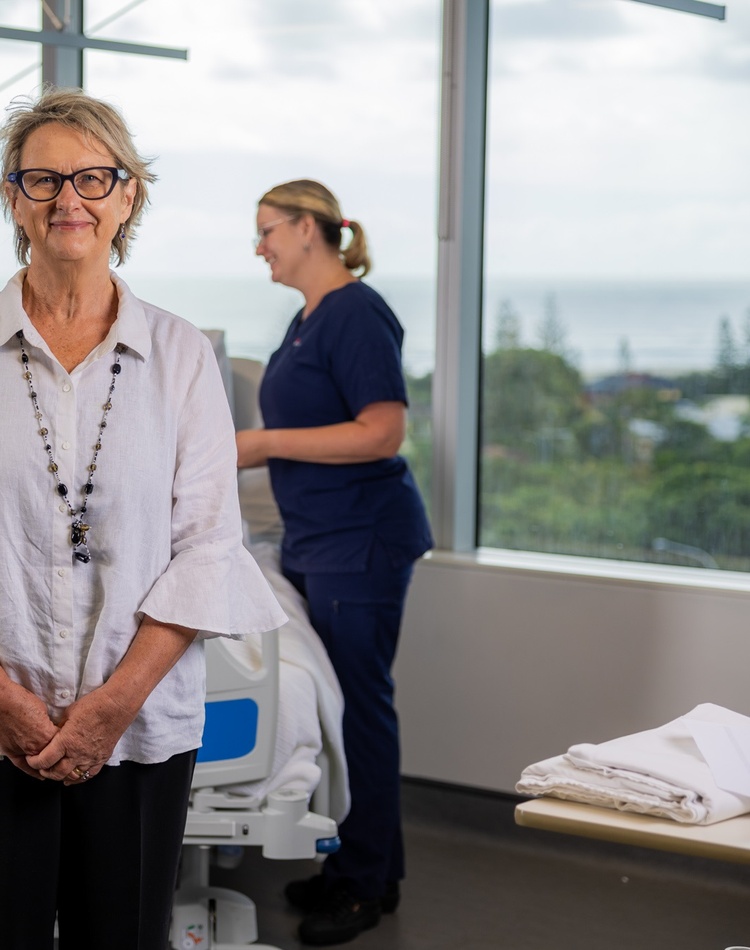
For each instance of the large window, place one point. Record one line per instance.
(20, 71)
(345, 93)
(616, 329)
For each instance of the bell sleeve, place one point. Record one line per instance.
(212, 582)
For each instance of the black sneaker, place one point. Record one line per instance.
(342, 918)
(310, 895)
(390, 900)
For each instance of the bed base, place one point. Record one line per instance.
(214, 918)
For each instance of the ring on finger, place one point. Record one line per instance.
(81, 774)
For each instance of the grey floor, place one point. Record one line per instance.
(477, 882)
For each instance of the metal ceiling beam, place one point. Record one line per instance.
(81, 41)
(63, 41)
(698, 7)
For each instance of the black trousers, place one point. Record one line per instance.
(358, 617)
(102, 856)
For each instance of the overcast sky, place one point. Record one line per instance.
(618, 138)
(341, 90)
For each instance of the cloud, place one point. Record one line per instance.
(556, 19)
(618, 36)
(731, 65)
(599, 109)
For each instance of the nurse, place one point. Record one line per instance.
(333, 400)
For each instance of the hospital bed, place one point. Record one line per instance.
(238, 748)
(272, 744)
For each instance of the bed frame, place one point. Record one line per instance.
(238, 747)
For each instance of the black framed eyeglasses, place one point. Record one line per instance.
(43, 184)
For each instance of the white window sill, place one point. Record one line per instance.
(594, 568)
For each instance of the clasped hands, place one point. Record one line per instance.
(71, 751)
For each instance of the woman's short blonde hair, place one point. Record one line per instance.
(94, 119)
(305, 196)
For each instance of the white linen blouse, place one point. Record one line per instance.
(165, 536)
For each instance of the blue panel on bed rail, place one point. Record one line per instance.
(231, 730)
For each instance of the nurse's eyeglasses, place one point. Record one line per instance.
(42, 184)
(267, 228)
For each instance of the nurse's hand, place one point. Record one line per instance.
(92, 727)
(252, 448)
(25, 727)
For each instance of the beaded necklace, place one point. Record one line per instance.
(78, 527)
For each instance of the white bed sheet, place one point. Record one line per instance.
(310, 704)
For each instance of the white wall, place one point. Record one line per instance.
(502, 665)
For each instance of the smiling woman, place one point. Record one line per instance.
(333, 401)
(92, 142)
(64, 214)
(99, 644)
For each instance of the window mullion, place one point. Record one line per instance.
(456, 381)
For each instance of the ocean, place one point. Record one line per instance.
(664, 327)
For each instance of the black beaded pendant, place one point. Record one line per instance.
(78, 528)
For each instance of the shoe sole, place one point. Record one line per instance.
(388, 905)
(327, 940)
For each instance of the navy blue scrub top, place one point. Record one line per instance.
(343, 357)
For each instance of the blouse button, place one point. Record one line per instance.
(63, 634)
(64, 693)
(66, 387)
(66, 445)
(62, 508)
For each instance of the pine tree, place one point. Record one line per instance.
(624, 357)
(552, 332)
(508, 335)
(726, 355)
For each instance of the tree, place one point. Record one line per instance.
(703, 504)
(726, 351)
(508, 335)
(417, 447)
(624, 357)
(552, 332)
(745, 345)
(528, 396)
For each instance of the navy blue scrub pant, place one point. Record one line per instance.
(102, 855)
(358, 617)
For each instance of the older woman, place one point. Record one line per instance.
(121, 545)
(334, 405)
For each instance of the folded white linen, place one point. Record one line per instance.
(310, 707)
(659, 772)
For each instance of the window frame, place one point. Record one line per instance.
(456, 402)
